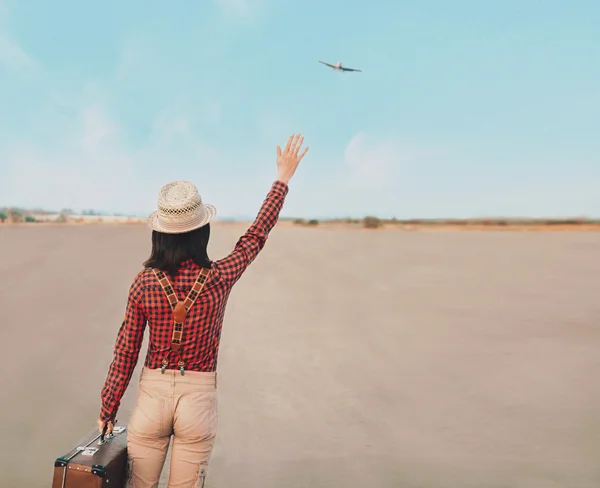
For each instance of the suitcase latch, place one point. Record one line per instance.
(87, 451)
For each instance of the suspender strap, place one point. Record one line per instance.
(180, 310)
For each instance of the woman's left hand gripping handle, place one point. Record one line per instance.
(104, 428)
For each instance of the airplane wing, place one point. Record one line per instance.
(327, 64)
(351, 69)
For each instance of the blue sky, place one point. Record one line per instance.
(463, 108)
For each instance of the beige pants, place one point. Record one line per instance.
(184, 407)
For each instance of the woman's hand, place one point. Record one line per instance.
(101, 425)
(288, 160)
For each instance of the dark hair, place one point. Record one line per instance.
(170, 250)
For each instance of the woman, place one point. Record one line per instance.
(182, 295)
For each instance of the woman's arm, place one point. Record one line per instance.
(127, 349)
(252, 242)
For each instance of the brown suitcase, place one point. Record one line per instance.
(97, 461)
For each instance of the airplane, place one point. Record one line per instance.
(338, 66)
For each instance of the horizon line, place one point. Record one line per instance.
(241, 218)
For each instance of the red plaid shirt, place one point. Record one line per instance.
(147, 304)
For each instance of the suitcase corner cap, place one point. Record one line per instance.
(99, 470)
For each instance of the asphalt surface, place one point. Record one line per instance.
(348, 358)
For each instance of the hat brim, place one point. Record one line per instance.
(167, 227)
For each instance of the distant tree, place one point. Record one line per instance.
(371, 222)
(313, 222)
(300, 221)
(30, 219)
(3, 216)
(15, 215)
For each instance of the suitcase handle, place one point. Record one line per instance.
(103, 436)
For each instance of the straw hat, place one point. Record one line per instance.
(180, 209)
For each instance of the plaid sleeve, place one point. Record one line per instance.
(252, 242)
(126, 352)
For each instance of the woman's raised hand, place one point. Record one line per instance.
(288, 160)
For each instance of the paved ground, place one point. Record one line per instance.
(349, 359)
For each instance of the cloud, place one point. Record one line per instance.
(375, 162)
(86, 168)
(89, 162)
(96, 129)
(369, 163)
(16, 59)
(12, 56)
(370, 175)
(171, 124)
